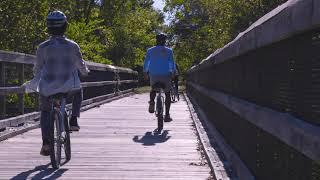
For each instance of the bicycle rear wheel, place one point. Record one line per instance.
(159, 109)
(55, 139)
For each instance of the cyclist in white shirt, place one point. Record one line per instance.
(58, 63)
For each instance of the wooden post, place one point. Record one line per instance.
(2, 84)
(21, 81)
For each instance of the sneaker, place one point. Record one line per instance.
(167, 118)
(74, 124)
(151, 106)
(45, 150)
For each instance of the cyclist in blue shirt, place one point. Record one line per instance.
(160, 67)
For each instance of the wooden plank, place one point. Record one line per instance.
(102, 98)
(11, 90)
(235, 166)
(19, 130)
(101, 151)
(14, 57)
(18, 120)
(128, 81)
(96, 84)
(21, 90)
(14, 121)
(21, 58)
(104, 67)
(281, 125)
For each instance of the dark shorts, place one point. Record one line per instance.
(45, 104)
(163, 79)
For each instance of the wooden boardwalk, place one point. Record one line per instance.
(116, 141)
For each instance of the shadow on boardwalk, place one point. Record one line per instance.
(151, 139)
(42, 172)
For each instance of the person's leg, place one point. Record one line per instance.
(151, 102)
(176, 82)
(152, 96)
(167, 81)
(76, 103)
(76, 106)
(45, 124)
(168, 103)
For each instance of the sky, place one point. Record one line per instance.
(159, 4)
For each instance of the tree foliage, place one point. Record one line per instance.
(112, 32)
(120, 31)
(202, 26)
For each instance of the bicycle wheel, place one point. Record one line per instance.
(55, 139)
(159, 107)
(67, 143)
(173, 96)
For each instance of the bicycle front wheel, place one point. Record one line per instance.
(67, 143)
(55, 139)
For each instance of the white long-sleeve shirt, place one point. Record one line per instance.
(56, 70)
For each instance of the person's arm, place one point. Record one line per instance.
(146, 65)
(39, 62)
(80, 63)
(172, 66)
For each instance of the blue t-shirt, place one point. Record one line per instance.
(159, 61)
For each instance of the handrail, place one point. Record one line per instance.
(21, 58)
(21, 90)
(261, 91)
(104, 82)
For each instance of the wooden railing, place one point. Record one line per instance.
(262, 94)
(17, 107)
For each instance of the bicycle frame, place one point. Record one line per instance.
(160, 97)
(62, 137)
(60, 104)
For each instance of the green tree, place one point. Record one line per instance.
(202, 26)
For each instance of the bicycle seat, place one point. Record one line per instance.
(159, 85)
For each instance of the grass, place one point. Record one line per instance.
(147, 89)
(141, 90)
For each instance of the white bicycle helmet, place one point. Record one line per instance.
(56, 19)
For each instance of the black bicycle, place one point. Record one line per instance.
(59, 130)
(158, 87)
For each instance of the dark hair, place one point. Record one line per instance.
(57, 30)
(161, 39)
